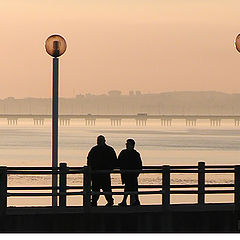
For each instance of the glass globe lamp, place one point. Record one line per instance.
(55, 45)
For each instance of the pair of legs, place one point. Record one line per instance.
(101, 181)
(131, 184)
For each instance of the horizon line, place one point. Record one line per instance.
(120, 93)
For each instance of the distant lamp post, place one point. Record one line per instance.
(55, 46)
(237, 42)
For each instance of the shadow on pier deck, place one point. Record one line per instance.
(142, 219)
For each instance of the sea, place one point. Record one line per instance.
(27, 144)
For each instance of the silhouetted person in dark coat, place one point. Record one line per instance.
(101, 157)
(130, 159)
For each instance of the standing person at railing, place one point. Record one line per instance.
(130, 159)
(101, 157)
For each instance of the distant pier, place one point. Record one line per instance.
(141, 119)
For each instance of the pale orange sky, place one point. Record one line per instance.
(146, 45)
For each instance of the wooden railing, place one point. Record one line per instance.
(166, 189)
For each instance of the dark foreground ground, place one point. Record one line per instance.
(142, 219)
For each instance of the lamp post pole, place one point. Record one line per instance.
(55, 46)
(237, 45)
(55, 129)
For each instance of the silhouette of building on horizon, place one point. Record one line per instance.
(114, 102)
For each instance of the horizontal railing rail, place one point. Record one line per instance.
(165, 187)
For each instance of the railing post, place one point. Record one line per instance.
(63, 185)
(201, 183)
(237, 186)
(166, 186)
(86, 187)
(3, 190)
(237, 194)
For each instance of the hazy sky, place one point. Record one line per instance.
(146, 45)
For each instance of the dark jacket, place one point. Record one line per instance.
(102, 157)
(129, 160)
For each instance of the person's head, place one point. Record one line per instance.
(130, 144)
(101, 140)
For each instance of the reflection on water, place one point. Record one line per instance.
(29, 145)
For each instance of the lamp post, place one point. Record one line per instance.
(237, 45)
(55, 46)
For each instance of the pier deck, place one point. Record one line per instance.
(148, 218)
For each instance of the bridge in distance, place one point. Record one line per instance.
(116, 119)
